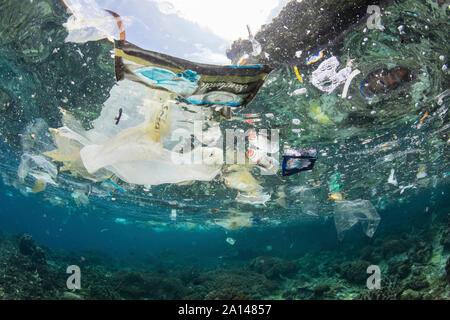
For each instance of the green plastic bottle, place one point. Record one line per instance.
(335, 184)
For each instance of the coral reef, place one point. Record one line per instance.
(273, 267)
(355, 271)
(408, 263)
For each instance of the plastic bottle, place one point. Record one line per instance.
(263, 161)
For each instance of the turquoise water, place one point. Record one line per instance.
(200, 240)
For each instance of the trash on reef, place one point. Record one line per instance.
(326, 78)
(349, 213)
(231, 241)
(298, 159)
(384, 81)
(392, 180)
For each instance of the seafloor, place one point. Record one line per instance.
(417, 265)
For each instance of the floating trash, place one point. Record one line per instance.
(231, 241)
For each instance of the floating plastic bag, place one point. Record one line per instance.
(349, 213)
(139, 148)
(308, 203)
(236, 220)
(36, 165)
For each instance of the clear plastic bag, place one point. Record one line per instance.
(89, 22)
(139, 149)
(349, 213)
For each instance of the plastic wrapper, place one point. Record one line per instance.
(89, 22)
(349, 213)
(140, 149)
(296, 160)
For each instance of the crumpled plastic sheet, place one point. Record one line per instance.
(141, 148)
(38, 167)
(90, 22)
(325, 76)
(349, 213)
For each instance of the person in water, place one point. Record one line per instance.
(384, 81)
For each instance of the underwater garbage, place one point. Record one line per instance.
(349, 213)
(297, 159)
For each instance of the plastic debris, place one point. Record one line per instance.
(115, 185)
(173, 215)
(281, 196)
(299, 91)
(335, 183)
(348, 81)
(308, 204)
(268, 165)
(298, 74)
(326, 78)
(317, 113)
(392, 180)
(80, 198)
(254, 198)
(298, 159)
(349, 213)
(39, 186)
(336, 196)
(315, 58)
(89, 22)
(236, 220)
(421, 172)
(38, 167)
(238, 177)
(136, 152)
(231, 241)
